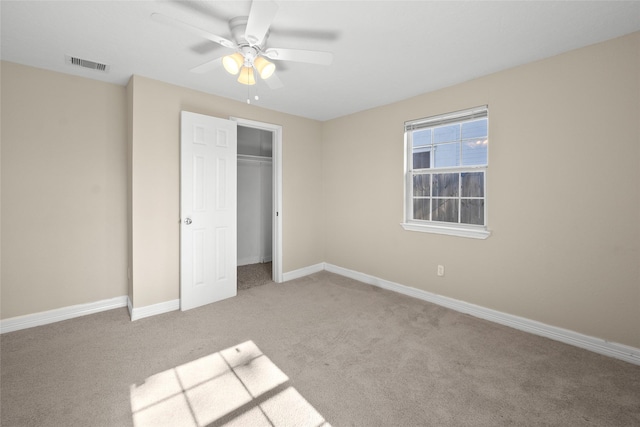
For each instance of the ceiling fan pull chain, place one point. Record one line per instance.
(256, 95)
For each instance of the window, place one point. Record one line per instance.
(446, 173)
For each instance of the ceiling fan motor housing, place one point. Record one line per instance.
(238, 26)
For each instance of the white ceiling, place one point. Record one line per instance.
(384, 51)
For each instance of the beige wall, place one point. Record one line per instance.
(563, 194)
(69, 147)
(63, 191)
(156, 110)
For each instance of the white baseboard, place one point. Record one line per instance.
(57, 315)
(154, 309)
(129, 307)
(247, 261)
(301, 272)
(597, 345)
(253, 260)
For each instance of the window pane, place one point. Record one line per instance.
(445, 185)
(445, 210)
(421, 209)
(447, 162)
(421, 185)
(421, 137)
(446, 155)
(472, 211)
(475, 130)
(472, 184)
(422, 160)
(446, 133)
(474, 152)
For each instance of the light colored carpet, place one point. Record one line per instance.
(254, 275)
(356, 354)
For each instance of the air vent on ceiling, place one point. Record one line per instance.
(85, 63)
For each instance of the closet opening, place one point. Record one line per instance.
(256, 212)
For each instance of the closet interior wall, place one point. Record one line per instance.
(255, 195)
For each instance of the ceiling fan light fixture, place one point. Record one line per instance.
(249, 36)
(246, 76)
(233, 63)
(264, 67)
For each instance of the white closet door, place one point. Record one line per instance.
(207, 209)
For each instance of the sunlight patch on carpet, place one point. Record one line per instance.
(238, 386)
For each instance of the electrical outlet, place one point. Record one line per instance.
(440, 270)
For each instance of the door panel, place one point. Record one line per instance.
(208, 210)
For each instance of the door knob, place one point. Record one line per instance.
(187, 221)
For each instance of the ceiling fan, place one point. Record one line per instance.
(249, 36)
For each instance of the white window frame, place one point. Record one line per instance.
(448, 228)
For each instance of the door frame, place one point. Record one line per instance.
(276, 161)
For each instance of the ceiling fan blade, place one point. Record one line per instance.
(298, 55)
(207, 66)
(260, 17)
(158, 17)
(274, 82)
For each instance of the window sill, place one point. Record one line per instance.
(451, 231)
